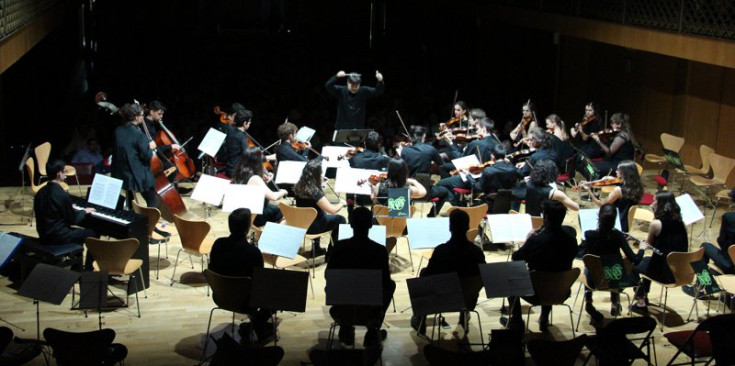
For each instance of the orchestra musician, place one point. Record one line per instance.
(581, 132)
(250, 171)
(481, 146)
(237, 140)
(370, 157)
(476, 115)
(224, 124)
(559, 140)
(460, 115)
(539, 189)
(397, 177)
(624, 196)
(620, 147)
(132, 153)
(156, 109)
(308, 192)
(528, 122)
(285, 151)
(538, 142)
(419, 155)
(352, 99)
(501, 174)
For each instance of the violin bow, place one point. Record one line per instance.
(403, 124)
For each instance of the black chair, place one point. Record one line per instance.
(711, 339)
(229, 294)
(87, 348)
(556, 353)
(611, 345)
(16, 351)
(231, 353)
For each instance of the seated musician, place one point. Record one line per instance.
(581, 132)
(359, 252)
(237, 141)
(308, 192)
(132, 155)
(538, 141)
(370, 157)
(527, 123)
(481, 146)
(250, 171)
(419, 155)
(233, 256)
(459, 122)
(540, 190)
(397, 177)
(286, 151)
(620, 147)
(718, 253)
(559, 141)
(624, 196)
(501, 174)
(457, 255)
(549, 249)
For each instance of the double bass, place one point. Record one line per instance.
(185, 168)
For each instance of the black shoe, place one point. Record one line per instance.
(418, 324)
(371, 337)
(616, 309)
(265, 334)
(596, 316)
(184, 190)
(346, 336)
(510, 324)
(638, 309)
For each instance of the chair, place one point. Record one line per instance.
(679, 263)
(426, 254)
(553, 288)
(42, 153)
(556, 353)
(611, 345)
(704, 152)
(229, 294)
(154, 238)
(637, 213)
(726, 282)
(24, 350)
(471, 287)
(114, 257)
(255, 231)
(194, 241)
(723, 194)
(668, 142)
(394, 226)
(86, 348)
(721, 168)
(303, 217)
(712, 338)
(502, 201)
(596, 281)
(477, 215)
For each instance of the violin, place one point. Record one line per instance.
(223, 116)
(606, 133)
(609, 181)
(463, 137)
(185, 168)
(474, 169)
(586, 120)
(373, 179)
(351, 153)
(300, 146)
(526, 120)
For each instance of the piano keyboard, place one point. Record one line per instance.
(104, 216)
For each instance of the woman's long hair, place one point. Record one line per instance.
(251, 163)
(666, 207)
(632, 186)
(310, 181)
(606, 219)
(397, 173)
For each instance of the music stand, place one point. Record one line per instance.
(506, 279)
(436, 294)
(49, 284)
(277, 289)
(673, 159)
(8, 244)
(93, 292)
(352, 137)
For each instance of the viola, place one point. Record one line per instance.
(526, 120)
(223, 116)
(373, 179)
(185, 168)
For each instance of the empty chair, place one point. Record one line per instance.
(668, 142)
(114, 257)
(711, 339)
(87, 348)
(194, 241)
(721, 168)
(154, 238)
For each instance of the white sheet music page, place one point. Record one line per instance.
(427, 233)
(105, 191)
(304, 134)
(465, 163)
(589, 218)
(506, 228)
(244, 196)
(8, 243)
(212, 142)
(690, 213)
(376, 233)
(210, 189)
(281, 240)
(332, 156)
(347, 179)
(289, 171)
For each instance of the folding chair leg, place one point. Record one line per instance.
(135, 286)
(663, 318)
(206, 337)
(158, 264)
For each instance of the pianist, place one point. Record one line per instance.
(55, 215)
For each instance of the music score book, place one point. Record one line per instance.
(211, 142)
(281, 240)
(335, 156)
(465, 163)
(376, 233)
(504, 279)
(347, 179)
(690, 213)
(104, 191)
(244, 196)
(289, 171)
(304, 134)
(427, 233)
(589, 218)
(210, 189)
(507, 228)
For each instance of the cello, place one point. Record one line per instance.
(185, 168)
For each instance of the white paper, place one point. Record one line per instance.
(465, 162)
(210, 189)
(333, 153)
(281, 240)
(244, 196)
(427, 233)
(304, 134)
(347, 178)
(211, 142)
(8, 243)
(507, 228)
(376, 233)
(105, 191)
(589, 219)
(690, 213)
(289, 171)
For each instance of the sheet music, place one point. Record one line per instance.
(506, 228)
(244, 196)
(690, 213)
(304, 134)
(427, 233)
(347, 178)
(376, 233)
(589, 219)
(333, 153)
(105, 191)
(281, 240)
(211, 142)
(289, 171)
(8, 244)
(210, 189)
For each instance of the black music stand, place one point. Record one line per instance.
(354, 292)
(278, 289)
(49, 284)
(436, 294)
(505, 279)
(93, 292)
(352, 137)
(673, 159)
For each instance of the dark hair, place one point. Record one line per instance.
(632, 187)
(251, 163)
(477, 113)
(538, 134)
(129, 111)
(239, 222)
(530, 106)
(556, 119)
(397, 173)
(499, 151)
(285, 129)
(606, 218)
(543, 173)
(461, 104)
(624, 120)
(310, 181)
(156, 106)
(354, 78)
(243, 116)
(372, 141)
(361, 219)
(417, 133)
(666, 207)
(459, 223)
(594, 107)
(53, 167)
(488, 123)
(554, 212)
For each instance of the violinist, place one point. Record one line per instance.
(528, 122)
(481, 145)
(224, 124)
(250, 171)
(237, 140)
(559, 140)
(132, 153)
(581, 132)
(370, 157)
(286, 150)
(539, 188)
(352, 98)
(538, 141)
(419, 155)
(476, 115)
(620, 146)
(624, 196)
(397, 177)
(501, 174)
(460, 115)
